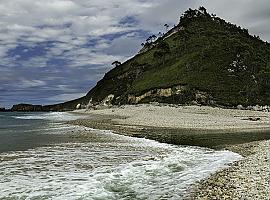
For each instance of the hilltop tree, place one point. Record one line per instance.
(203, 10)
(154, 37)
(191, 14)
(116, 63)
(148, 40)
(167, 27)
(151, 38)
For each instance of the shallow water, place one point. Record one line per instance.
(109, 166)
(21, 131)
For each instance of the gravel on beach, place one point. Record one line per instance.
(194, 117)
(247, 179)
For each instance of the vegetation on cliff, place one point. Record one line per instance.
(203, 55)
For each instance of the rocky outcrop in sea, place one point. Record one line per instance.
(26, 108)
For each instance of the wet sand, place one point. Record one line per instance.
(183, 125)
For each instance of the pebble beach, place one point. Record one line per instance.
(248, 178)
(194, 117)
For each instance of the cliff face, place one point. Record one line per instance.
(203, 59)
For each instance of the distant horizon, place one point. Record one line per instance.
(56, 51)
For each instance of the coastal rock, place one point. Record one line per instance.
(90, 105)
(265, 108)
(2, 109)
(201, 97)
(240, 107)
(26, 108)
(162, 92)
(254, 118)
(257, 108)
(250, 108)
(105, 103)
(178, 90)
(108, 100)
(78, 106)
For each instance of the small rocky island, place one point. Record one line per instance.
(26, 108)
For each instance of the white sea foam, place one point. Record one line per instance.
(53, 116)
(112, 167)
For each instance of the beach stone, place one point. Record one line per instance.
(257, 108)
(78, 106)
(265, 108)
(240, 107)
(247, 179)
(249, 108)
(254, 118)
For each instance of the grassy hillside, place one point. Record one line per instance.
(203, 53)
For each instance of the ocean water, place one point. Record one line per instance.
(39, 160)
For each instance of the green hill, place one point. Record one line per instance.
(203, 59)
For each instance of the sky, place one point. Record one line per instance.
(56, 50)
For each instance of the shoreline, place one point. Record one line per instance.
(204, 126)
(247, 178)
(214, 128)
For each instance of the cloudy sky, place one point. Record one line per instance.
(56, 50)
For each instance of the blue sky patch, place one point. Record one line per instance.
(129, 21)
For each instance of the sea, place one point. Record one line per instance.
(41, 157)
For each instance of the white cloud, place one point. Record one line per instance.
(31, 83)
(69, 23)
(74, 22)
